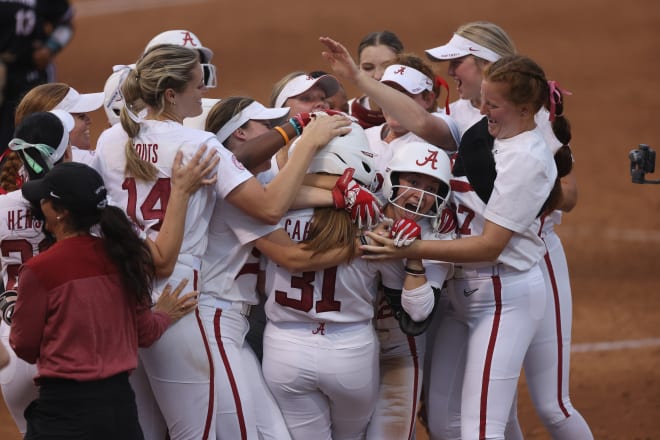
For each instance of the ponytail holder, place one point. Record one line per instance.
(556, 92)
(440, 82)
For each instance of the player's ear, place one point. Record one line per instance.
(170, 96)
(240, 134)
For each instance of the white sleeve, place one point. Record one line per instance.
(419, 302)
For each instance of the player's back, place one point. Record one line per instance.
(146, 201)
(20, 235)
(341, 294)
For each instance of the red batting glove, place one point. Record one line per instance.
(405, 231)
(446, 222)
(358, 201)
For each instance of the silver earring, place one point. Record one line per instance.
(59, 217)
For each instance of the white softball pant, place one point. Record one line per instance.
(17, 382)
(479, 350)
(324, 377)
(245, 407)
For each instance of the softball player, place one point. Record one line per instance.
(246, 409)
(375, 52)
(411, 102)
(497, 294)
(41, 141)
(21, 235)
(472, 48)
(137, 177)
(319, 330)
(390, 137)
(416, 184)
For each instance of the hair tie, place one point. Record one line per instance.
(556, 92)
(46, 151)
(440, 82)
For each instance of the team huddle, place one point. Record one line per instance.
(314, 268)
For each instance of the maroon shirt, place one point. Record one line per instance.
(73, 316)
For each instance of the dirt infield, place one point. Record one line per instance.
(606, 53)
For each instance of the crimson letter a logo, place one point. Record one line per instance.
(432, 157)
(187, 38)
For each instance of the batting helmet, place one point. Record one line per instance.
(188, 39)
(423, 158)
(348, 151)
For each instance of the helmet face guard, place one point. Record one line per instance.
(439, 201)
(421, 158)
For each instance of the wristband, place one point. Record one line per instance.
(281, 131)
(296, 125)
(415, 272)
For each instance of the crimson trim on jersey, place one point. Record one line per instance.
(412, 343)
(230, 373)
(460, 186)
(485, 380)
(560, 344)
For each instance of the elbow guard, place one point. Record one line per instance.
(406, 323)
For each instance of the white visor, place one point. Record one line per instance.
(412, 80)
(459, 47)
(301, 83)
(75, 102)
(68, 123)
(254, 111)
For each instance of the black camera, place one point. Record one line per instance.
(642, 161)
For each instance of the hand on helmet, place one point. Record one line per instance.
(405, 231)
(358, 201)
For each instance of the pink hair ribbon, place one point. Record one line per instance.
(556, 92)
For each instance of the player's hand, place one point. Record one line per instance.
(201, 170)
(358, 201)
(321, 130)
(405, 231)
(340, 59)
(41, 57)
(175, 305)
(7, 303)
(446, 222)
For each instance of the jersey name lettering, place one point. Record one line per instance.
(21, 219)
(295, 230)
(147, 152)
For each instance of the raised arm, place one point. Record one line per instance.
(268, 203)
(404, 109)
(294, 257)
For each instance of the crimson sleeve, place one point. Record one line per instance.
(30, 315)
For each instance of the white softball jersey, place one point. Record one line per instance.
(226, 272)
(515, 201)
(145, 202)
(341, 294)
(20, 235)
(20, 238)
